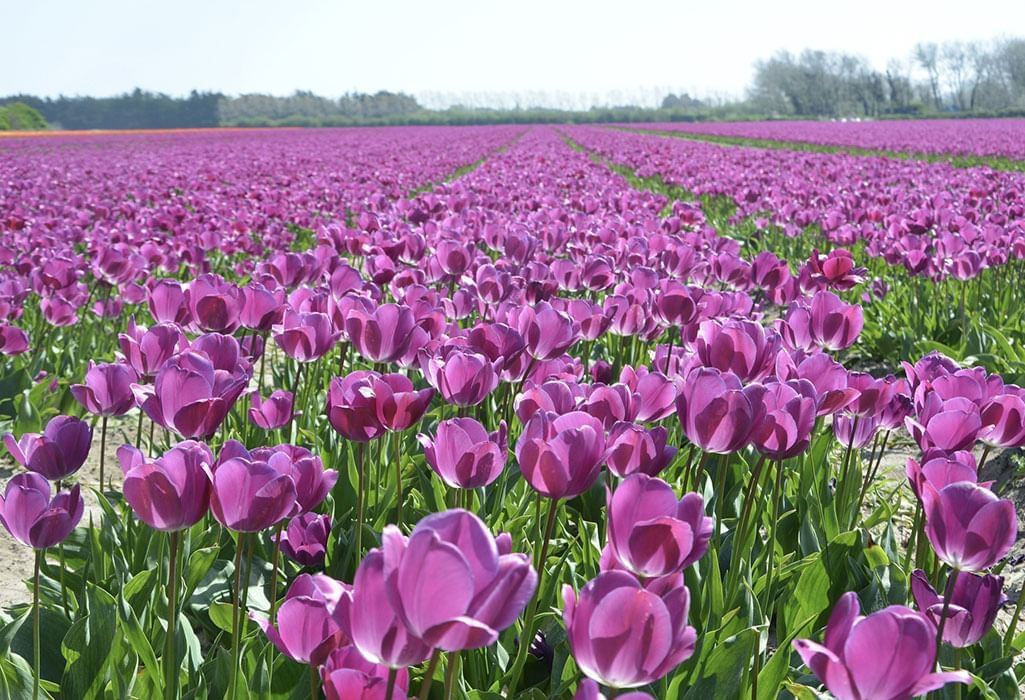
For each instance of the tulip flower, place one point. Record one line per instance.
(717, 413)
(380, 335)
(1003, 420)
(58, 452)
(399, 404)
(305, 337)
(970, 529)
(555, 395)
(273, 412)
(473, 587)
(462, 378)
(972, 608)
(624, 636)
(190, 396)
(249, 496)
(107, 390)
(790, 411)
(464, 454)
(547, 333)
(631, 449)
(262, 308)
(305, 539)
(32, 517)
(309, 621)
(13, 340)
(741, 347)
(888, 655)
(561, 456)
(949, 425)
(651, 533)
(352, 406)
(146, 350)
(346, 675)
(167, 302)
(306, 470)
(589, 690)
(215, 305)
(172, 492)
(654, 394)
(940, 469)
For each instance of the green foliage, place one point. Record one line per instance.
(18, 116)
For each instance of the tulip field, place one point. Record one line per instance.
(532, 412)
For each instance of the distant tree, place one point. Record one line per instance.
(18, 116)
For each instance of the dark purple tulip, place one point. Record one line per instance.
(305, 539)
(717, 413)
(167, 302)
(548, 333)
(372, 623)
(146, 350)
(561, 456)
(32, 518)
(58, 452)
(13, 340)
(215, 305)
(400, 405)
(381, 335)
(346, 675)
(190, 396)
(107, 390)
(623, 635)
(305, 337)
(306, 470)
(462, 378)
(855, 431)
(273, 412)
(601, 372)
(173, 491)
(741, 347)
(452, 584)
(1003, 420)
(888, 655)
(308, 621)
(589, 690)
(261, 307)
(654, 394)
(968, 526)
(631, 449)
(790, 411)
(973, 606)
(352, 406)
(249, 496)
(464, 454)
(651, 533)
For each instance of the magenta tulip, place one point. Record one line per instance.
(631, 449)
(462, 378)
(464, 454)
(741, 347)
(969, 528)
(58, 452)
(305, 469)
(381, 335)
(305, 337)
(972, 608)
(548, 333)
(347, 675)
(249, 496)
(651, 533)
(107, 390)
(717, 413)
(32, 518)
(273, 412)
(305, 539)
(623, 635)
(173, 491)
(308, 621)
(790, 412)
(215, 305)
(888, 655)
(400, 406)
(146, 350)
(13, 340)
(561, 456)
(352, 406)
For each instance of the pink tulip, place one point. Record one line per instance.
(968, 526)
(561, 456)
(1003, 420)
(717, 413)
(261, 307)
(305, 337)
(352, 406)
(654, 394)
(308, 621)
(624, 636)
(13, 340)
(380, 335)
(272, 413)
(790, 411)
(58, 453)
(547, 333)
(631, 449)
(651, 533)
(346, 675)
(888, 655)
(146, 350)
(32, 518)
(400, 406)
(473, 588)
(972, 608)
(249, 496)
(462, 378)
(107, 390)
(167, 302)
(305, 539)
(940, 469)
(172, 492)
(306, 470)
(741, 347)
(464, 454)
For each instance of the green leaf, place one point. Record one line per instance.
(721, 673)
(822, 581)
(199, 564)
(220, 615)
(771, 677)
(90, 648)
(132, 629)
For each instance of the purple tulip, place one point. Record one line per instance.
(146, 350)
(940, 469)
(827, 376)
(1003, 420)
(950, 425)
(463, 378)
(306, 470)
(372, 622)
(305, 539)
(352, 406)
(623, 635)
(215, 305)
(464, 454)
(827, 322)
(261, 307)
(654, 394)
(631, 449)
(968, 526)
(249, 496)
(653, 534)
(561, 456)
(548, 333)
(13, 340)
(32, 518)
(399, 405)
(305, 337)
(790, 411)
(58, 453)
(589, 690)
(190, 396)
(346, 675)
(555, 395)
(741, 347)
(889, 655)
(308, 621)
(167, 302)
(273, 412)
(380, 335)
(973, 605)
(107, 390)
(173, 491)
(717, 413)
(452, 584)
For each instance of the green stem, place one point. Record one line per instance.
(450, 674)
(428, 679)
(777, 498)
(361, 452)
(398, 479)
(239, 546)
(103, 449)
(390, 691)
(527, 637)
(35, 638)
(314, 683)
(1013, 625)
(951, 580)
(170, 654)
(275, 559)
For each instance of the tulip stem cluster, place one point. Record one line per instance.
(170, 656)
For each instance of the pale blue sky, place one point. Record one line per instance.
(528, 51)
